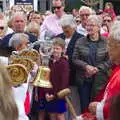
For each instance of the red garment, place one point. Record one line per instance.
(27, 103)
(105, 34)
(112, 89)
(111, 12)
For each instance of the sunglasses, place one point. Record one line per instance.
(1, 28)
(107, 20)
(56, 7)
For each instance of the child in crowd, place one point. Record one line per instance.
(47, 99)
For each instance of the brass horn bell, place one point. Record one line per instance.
(42, 78)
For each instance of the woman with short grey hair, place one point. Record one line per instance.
(90, 57)
(68, 20)
(19, 41)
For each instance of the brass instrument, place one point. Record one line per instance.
(18, 74)
(31, 54)
(42, 78)
(28, 63)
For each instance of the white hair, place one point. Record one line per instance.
(95, 19)
(16, 39)
(82, 8)
(19, 14)
(68, 20)
(115, 30)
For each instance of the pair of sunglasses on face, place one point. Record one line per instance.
(107, 20)
(56, 7)
(1, 27)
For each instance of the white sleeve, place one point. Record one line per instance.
(20, 95)
(99, 111)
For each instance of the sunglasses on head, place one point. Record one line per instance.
(56, 7)
(1, 28)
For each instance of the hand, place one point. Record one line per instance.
(91, 70)
(92, 107)
(36, 98)
(49, 97)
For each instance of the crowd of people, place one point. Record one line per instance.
(85, 58)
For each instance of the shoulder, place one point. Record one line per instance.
(50, 17)
(81, 40)
(63, 60)
(103, 39)
(62, 35)
(32, 38)
(6, 39)
(8, 35)
(79, 35)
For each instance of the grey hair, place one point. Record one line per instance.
(68, 20)
(16, 39)
(95, 19)
(82, 8)
(19, 14)
(115, 30)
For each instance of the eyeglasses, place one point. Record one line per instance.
(77, 21)
(84, 15)
(56, 7)
(107, 20)
(1, 28)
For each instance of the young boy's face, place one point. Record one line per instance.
(22, 45)
(57, 50)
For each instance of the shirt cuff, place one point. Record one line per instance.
(99, 111)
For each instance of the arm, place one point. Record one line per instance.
(65, 74)
(76, 54)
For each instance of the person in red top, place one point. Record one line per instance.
(110, 10)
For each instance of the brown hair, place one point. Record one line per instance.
(59, 41)
(8, 108)
(109, 4)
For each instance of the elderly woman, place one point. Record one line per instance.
(19, 41)
(102, 109)
(70, 36)
(91, 60)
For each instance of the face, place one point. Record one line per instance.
(19, 24)
(92, 28)
(57, 51)
(68, 31)
(22, 45)
(36, 18)
(84, 16)
(107, 21)
(58, 8)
